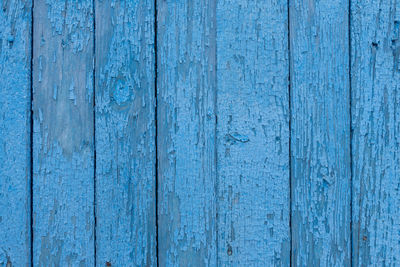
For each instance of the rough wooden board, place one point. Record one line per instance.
(253, 133)
(15, 62)
(186, 133)
(375, 50)
(320, 133)
(125, 133)
(63, 155)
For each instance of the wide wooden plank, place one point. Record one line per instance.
(186, 133)
(375, 50)
(63, 154)
(253, 133)
(15, 178)
(125, 133)
(320, 133)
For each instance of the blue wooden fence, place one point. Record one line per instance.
(199, 133)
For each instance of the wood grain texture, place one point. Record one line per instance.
(320, 133)
(15, 62)
(253, 133)
(252, 170)
(375, 49)
(125, 133)
(186, 133)
(63, 154)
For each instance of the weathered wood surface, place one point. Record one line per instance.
(253, 133)
(125, 133)
(375, 50)
(273, 141)
(15, 177)
(63, 154)
(186, 133)
(320, 133)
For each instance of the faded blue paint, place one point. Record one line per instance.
(125, 133)
(375, 50)
(229, 137)
(15, 47)
(320, 133)
(63, 154)
(253, 133)
(186, 133)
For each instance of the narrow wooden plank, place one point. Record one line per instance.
(63, 179)
(15, 62)
(375, 49)
(320, 133)
(125, 133)
(186, 133)
(253, 133)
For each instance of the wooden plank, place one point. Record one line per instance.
(63, 165)
(320, 133)
(253, 133)
(186, 133)
(125, 133)
(15, 178)
(375, 49)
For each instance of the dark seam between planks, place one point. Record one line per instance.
(94, 134)
(156, 123)
(31, 140)
(290, 134)
(351, 137)
(216, 185)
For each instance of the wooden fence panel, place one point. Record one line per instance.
(320, 133)
(253, 133)
(125, 133)
(199, 133)
(375, 50)
(15, 149)
(63, 154)
(186, 133)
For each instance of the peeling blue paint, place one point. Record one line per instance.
(199, 133)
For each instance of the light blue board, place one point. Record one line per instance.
(253, 133)
(375, 50)
(125, 133)
(186, 133)
(15, 62)
(320, 133)
(63, 154)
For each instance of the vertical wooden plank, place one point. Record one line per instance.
(253, 133)
(186, 133)
(320, 133)
(375, 39)
(63, 179)
(125, 133)
(15, 69)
